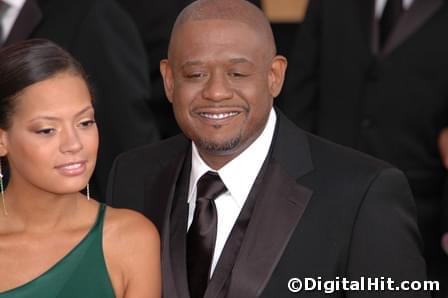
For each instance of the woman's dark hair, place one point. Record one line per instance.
(28, 62)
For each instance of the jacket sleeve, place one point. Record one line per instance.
(386, 241)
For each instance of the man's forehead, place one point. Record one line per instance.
(216, 29)
(229, 11)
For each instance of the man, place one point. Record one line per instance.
(371, 75)
(263, 201)
(106, 42)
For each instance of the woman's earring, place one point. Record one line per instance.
(2, 190)
(88, 192)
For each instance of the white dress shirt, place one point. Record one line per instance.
(9, 17)
(238, 176)
(380, 4)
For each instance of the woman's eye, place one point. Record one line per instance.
(87, 123)
(46, 131)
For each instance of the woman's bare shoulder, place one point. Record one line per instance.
(132, 250)
(125, 224)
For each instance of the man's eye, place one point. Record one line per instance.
(196, 75)
(237, 74)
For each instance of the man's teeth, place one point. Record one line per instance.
(219, 116)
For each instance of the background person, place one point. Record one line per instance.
(100, 35)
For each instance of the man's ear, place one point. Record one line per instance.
(167, 75)
(277, 75)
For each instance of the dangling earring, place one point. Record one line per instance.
(88, 192)
(2, 190)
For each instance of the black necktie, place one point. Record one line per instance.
(391, 14)
(202, 233)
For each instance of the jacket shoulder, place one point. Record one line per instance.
(325, 151)
(350, 173)
(155, 153)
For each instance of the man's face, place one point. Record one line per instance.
(221, 79)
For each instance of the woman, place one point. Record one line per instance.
(55, 241)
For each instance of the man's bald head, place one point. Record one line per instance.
(234, 10)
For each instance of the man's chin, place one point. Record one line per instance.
(219, 148)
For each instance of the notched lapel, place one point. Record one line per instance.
(166, 184)
(411, 20)
(280, 205)
(163, 188)
(178, 228)
(28, 19)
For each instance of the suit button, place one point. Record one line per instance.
(366, 122)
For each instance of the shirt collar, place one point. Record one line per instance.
(380, 4)
(240, 173)
(14, 3)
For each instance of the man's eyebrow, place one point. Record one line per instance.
(239, 60)
(192, 63)
(231, 61)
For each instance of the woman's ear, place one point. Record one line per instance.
(3, 142)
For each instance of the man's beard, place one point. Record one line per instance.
(220, 148)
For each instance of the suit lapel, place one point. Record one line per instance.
(165, 189)
(411, 20)
(178, 229)
(278, 210)
(28, 19)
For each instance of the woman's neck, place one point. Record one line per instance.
(33, 209)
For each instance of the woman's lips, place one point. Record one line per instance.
(72, 168)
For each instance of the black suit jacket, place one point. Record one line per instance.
(390, 103)
(106, 42)
(322, 211)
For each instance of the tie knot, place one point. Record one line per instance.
(210, 186)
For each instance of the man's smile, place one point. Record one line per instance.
(218, 116)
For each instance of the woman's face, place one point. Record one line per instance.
(52, 141)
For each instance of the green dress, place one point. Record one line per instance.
(82, 273)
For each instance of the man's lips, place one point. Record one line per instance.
(218, 116)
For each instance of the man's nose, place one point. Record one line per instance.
(218, 87)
